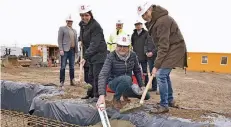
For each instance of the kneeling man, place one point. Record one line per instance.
(117, 73)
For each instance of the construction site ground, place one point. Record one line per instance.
(198, 93)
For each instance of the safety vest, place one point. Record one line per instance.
(111, 45)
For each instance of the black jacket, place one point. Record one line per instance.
(143, 44)
(149, 46)
(94, 45)
(114, 67)
(138, 42)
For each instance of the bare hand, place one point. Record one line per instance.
(61, 52)
(83, 61)
(149, 54)
(101, 100)
(142, 88)
(80, 43)
(154, 70)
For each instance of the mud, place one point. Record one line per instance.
(116, 123)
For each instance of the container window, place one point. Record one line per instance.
(224, 60)
(204, 59)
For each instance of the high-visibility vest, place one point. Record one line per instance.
(111, 44)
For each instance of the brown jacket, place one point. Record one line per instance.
(171, 48)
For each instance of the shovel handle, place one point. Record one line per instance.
(81, 65)
(146, 89)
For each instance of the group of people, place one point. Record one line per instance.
(113, 63)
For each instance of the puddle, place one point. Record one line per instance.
(214, 119)
(219, 120)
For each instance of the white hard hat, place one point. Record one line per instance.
(138, 21)
(142, 8)
(123, 40)
(69, 18)
(84, 8)
(119, 22)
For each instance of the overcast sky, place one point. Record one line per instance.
(205, 24)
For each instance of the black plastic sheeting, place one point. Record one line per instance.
(30, 98)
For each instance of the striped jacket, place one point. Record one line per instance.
(114, 67)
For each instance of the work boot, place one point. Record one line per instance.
(125, 98)
(173, 104)
(160, 109)
(61, 86)
(87, 97)
(72, 82)
(92, 100)
(116, 103)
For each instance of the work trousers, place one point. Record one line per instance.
(94, 70)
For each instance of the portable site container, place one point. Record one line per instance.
(28, 50)
(209, 62)
(46, 51)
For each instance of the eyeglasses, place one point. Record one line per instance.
(137, 24)
(121, 46)
(86, 15)
(119, 25)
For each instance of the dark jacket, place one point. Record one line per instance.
(138, 42)
(149, 46)
(114, 67)
(168, 39)
(94, 45)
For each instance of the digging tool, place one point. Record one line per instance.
(139, 105)
(146, 89)
(149, 76)
(103, 115)
(81, 76)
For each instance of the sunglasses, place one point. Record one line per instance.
(84, 15)
(121, 46)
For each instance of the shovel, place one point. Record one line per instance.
(146, 89)
(138, 105)
(81, 75)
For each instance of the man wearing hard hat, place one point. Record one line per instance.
(117, 73)
(144, 48)
(171, 49)
(111, 44)
(68, 47)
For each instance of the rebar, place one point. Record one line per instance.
(18, 119)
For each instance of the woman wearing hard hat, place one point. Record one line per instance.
(94, 47)
(117, 73)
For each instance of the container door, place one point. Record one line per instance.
(44, 54)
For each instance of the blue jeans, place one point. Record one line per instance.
(165, 86)
(70, 55)
(154, 82)
(122, 86)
